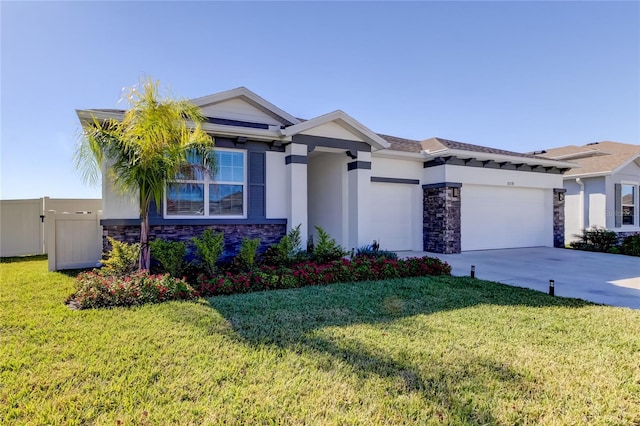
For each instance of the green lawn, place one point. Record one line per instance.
(412, 351)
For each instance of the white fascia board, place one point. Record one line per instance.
(218, 129)
(89, 114)
(502, 158)
(343, 119)
(586, 175)
(254, 134)
(400, 155)
(246, 94)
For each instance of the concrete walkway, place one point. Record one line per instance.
(597, 277)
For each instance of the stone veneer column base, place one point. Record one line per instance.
(558, 217)
(442, 217)
(233, 234)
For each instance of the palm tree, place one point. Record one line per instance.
(150, 145)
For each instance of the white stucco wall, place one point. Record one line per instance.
(396, 168)
(595, 202)
(327, 194)
(573, 210)
(116, 205)
(332, 130)
(275, 185)
(494, 177)
(237, 109)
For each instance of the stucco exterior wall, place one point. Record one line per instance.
(276, 183)
(116, 205)
(326, 186)
(628, 174)
(396, 168)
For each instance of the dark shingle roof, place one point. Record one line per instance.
(435, 144)
(401, 144)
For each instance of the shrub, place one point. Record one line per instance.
(595, 239)
(374, 251)
(122, 259)
(98, 290)
(245, 260)
(313, 273)
(209, 248)
(170, 255)
(631, 245)
(287, 251)
(326, 249)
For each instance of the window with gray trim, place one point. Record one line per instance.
(196, 193)
(628, 204)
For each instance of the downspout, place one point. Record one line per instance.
(581, 216)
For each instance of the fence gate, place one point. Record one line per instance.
(74, 240)
(21, 227)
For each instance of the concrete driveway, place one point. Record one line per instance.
(597, 277)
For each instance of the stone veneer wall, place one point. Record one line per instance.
(233, 234)
(441, 219)
(558, 217)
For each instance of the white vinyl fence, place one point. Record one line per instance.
(25, 229)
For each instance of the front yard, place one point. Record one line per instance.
(435, 350)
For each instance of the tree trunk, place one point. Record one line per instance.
(145, 255)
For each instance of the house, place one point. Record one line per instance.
(603, 191)
(276, 171)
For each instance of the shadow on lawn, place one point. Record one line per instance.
(296, 320)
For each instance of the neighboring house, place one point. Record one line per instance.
(603, 191)
(276, 171)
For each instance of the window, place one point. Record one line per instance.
(628, 204)
(197, 193)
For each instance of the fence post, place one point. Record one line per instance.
(50, 234)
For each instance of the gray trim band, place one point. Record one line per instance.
(443, 185)
(366, 165)
(157, 222)
(395, 180)
(295, 159)
(490, 164)
(313, 141)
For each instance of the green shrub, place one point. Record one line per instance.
(375, 252)
(209, 248)
(326, 249)
(246, 257)
(99, 290)
(170, 255)
(631, 245)
(287, 251)
(595, 239)
(123, 258)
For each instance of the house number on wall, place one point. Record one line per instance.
(510, 183)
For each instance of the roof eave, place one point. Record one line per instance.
(447, 152)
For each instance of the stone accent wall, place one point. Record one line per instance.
(558, 217)
(441, 219)
(233, 234)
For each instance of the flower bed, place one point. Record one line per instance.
(97, 289)
(312, 273)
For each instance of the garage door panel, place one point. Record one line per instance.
(391, 215)
(498, 217)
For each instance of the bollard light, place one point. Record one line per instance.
(473, 271)
(552, 288)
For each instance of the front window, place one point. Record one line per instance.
(197, 193)
(628, 204)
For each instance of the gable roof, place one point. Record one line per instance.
(251, 98)
(595, 159)
(343, 119)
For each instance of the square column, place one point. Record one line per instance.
(558, 217)
(296, 165)
(359, 200)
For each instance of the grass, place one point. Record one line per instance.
(413, 351)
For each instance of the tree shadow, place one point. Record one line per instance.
(296, 319)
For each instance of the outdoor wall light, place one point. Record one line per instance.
(455, 192)
(560, 196)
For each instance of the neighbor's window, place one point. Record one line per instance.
(628, 204)
(197, 193)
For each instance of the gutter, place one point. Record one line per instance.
(581, 215)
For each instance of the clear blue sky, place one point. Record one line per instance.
(512, 75)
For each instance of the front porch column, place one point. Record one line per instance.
(442, 220)
(359, 203)
(296, 164)
(558, 217)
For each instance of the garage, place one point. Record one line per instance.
(392, 219)
(494, 217)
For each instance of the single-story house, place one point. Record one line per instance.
(603, 191)
(277, 171)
